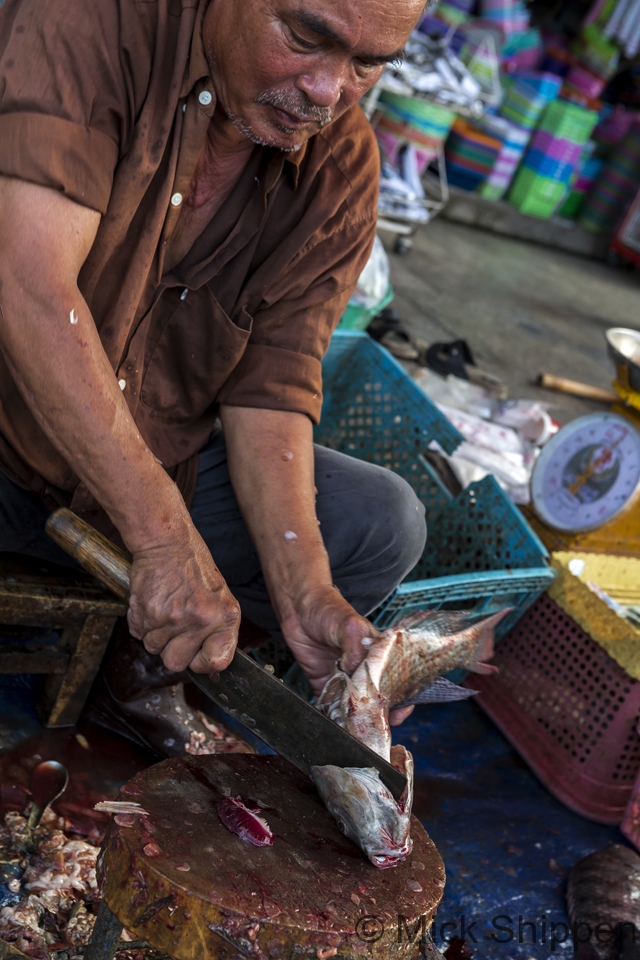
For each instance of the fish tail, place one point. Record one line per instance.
(483, 650)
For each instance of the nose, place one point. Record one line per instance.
(324, 85)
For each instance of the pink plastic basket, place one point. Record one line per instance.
(568, 709)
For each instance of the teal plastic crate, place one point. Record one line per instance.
(481, 554)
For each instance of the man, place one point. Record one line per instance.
(188, 195)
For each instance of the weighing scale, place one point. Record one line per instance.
(588, 475)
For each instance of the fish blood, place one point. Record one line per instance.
(245, 822)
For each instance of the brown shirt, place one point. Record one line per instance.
(103, 101)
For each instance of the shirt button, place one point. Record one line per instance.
(176, 199)
(205, 98)
(122, 384)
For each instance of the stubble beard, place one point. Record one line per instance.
(262, 141)
(298, 105)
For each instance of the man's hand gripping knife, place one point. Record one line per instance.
(180, 605)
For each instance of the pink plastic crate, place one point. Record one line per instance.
(568, 709)
(556, 147)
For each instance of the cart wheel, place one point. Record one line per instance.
(403, 246)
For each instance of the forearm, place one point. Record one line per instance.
(74, 396)
(270, 456)
(51, 345)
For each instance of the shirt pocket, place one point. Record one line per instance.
(193, 347)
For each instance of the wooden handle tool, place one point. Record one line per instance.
(577, 389)
(94, 552)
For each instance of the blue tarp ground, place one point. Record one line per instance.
(507, 844)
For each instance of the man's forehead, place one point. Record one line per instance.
(380, 26)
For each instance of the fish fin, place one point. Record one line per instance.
(483, 649)
(402, 760)
(331, 698)
(440, 691)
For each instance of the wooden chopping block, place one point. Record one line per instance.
(182, 881)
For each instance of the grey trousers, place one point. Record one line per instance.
(371, 521)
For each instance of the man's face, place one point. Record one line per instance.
(283, 69)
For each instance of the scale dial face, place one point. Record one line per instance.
(587, 474)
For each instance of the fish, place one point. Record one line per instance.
(604, 888)
(366, 811)
(403, 665)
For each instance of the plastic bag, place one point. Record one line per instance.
(483, 433)
(373, 282)
(454, 392)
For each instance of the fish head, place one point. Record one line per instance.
(366, 812)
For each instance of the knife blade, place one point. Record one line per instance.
(246, 691)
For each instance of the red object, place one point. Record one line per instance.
(568, 709)
(626, 242)
(245, 822)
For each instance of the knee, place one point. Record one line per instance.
(401, 528)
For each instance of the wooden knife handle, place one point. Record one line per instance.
(93, 551)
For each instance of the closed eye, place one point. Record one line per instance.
(305, 44)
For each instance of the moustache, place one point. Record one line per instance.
(298, 105)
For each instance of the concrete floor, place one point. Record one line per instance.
(524, 309)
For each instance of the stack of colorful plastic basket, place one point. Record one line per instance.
(455, 11)
(528, 96)
(554, 153)
(470, 154)
(514, 140)
(511, 15)
(616, 186)
(522, 50)
(585, 174)
(402, 119)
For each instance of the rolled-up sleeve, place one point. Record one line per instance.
(65, 100)
(281, 367)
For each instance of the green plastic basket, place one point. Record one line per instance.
(356, 317)
(535, 195)
(568, 121)
(491, 191)
(571, 206)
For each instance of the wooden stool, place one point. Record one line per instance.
(61, 599)
(181, 881)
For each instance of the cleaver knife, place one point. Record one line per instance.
(245, 690)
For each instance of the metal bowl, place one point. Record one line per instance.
(624, 350)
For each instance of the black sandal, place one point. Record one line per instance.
(388, 329)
